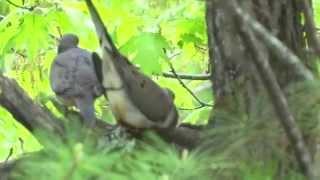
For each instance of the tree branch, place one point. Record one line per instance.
(201, 77)
(24, 110)
(202, 104)
(32, 116)
(187, 136)
(31, 8)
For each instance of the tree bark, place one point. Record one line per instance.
(269, 32)
(24, 110)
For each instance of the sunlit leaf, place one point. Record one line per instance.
(147, 50)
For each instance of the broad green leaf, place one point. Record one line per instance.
(31, 42)
(58, 18)
(147, 49)
(178, 30)
(9, 27)
(199, 116)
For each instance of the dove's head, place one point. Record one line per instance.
(67, 41)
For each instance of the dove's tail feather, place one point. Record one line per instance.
(86, 107)
(104, 37)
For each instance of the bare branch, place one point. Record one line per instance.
(191, 109)
(59, 31)
(21, 144)
(9, 155)
(201, 77)
(24, 110)
(201, 48)
(202, 104)
(187, 136)
(181, 75)
(31, 8)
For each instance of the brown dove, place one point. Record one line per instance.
(135, 99)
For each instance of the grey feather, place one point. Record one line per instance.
(73, 77)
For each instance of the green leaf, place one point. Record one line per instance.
(189, 38)
(31, 36)
(146, 50)
(9, 27)
(59, 18)
(198, 116)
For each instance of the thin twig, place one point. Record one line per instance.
(22, 55)
(203, 49)
(203, 104)
(59, 31)
(18, 53)
(21, 144)
(9, 155)
(201, 77)
(31, 8)
(184, 76)
(191, 109)
(54, 37)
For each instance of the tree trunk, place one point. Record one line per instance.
(236, 44)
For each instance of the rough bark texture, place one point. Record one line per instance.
(237, 82)
(24, 110)
(230, 66)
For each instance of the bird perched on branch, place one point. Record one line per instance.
(73, 77)
(136, 100)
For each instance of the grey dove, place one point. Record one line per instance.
(136, 100)
(73, 77)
